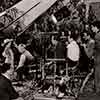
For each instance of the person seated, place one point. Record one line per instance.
(7, 91)
(26, 59)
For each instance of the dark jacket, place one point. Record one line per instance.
(97, 62)
(97, 49)
(7, 91)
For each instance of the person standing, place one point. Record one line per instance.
(26, 59)
(73, 51)
(87, 52)
(95, 29)
(8, 53)
(60, 51)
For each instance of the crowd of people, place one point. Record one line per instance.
(77, 41)
(11, 64)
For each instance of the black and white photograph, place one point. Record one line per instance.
(49, 49)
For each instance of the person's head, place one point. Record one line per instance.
(7, 42)
(69, 39)
(21, 48)
(70, 7)
(95, 26)
(73, 36)
(86, 36)
(54, 40)
(63, 38)
(79, 40)
(86, 27)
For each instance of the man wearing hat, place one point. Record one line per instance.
(8, 53)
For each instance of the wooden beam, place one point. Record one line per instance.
(55, 59)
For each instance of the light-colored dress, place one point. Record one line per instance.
(9, 56)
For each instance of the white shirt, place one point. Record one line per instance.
(23, 57)
(73, 51)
